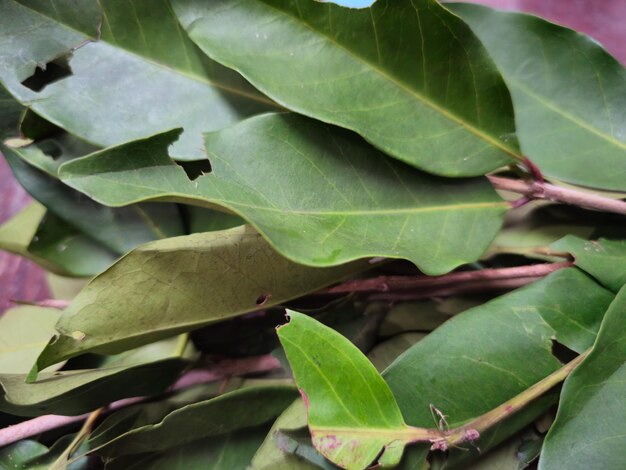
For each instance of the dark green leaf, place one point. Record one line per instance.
(406, 74)
(119, 230)
(179, 284)
(569, 95)
(226, 413)
(589, 427)
(144, 371)
(10, 115)
(320, 194)
(490, 353)
(603, 259)
(140, 76)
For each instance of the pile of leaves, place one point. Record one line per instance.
(431, 193)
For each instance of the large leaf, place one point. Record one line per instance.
(589, 427)
(144, 371)
(226, 413)
(24, 332)
(486, 355)
(320, 194)
(175, 285)
(603, 259)
(141, 75)
(119, 230)
(406, 74)
(569, 95)
(353, 417)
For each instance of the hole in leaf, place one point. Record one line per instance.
(196, 168)
(562, 352)
(262, 299)
(46, 74)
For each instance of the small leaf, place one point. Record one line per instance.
(179, 284)
(569, 95)
(353, 417)
(319, 194)
(589, 428)
(24, 332)
(603, 259)
(407, 75)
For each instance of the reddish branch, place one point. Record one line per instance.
(221, 370)
(539, 189)
(448, 284)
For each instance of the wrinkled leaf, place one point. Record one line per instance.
(407, 75)
(179, 284)
(24, 332)
(319, 194)
(140, 76)
(223, 414)
(603, 259)
(569, 95)
(353, 417)
(486, 355)
(145, 371)
(591, 416)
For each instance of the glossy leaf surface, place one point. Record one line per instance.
(352, 415)
(319, 194)
(140, 53)
(118, 309)
(591, 416)
(407, 75)
(569, 95)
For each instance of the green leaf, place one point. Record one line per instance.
(226, 452)
(569, 95)
(24, 332)
(384, 353)
(179, 284)
(140, 76)
(353, 417)
(119, 230)
(58, 242)
(10, 114)
(319, 194)
(589, 427)
(223, 414)
(17, 456)
(603, 259)
(145, 371)
(486, 355)
(269, 456)
(407, 75)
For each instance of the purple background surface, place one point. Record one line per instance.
(604, 20)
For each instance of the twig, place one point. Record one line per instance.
(542, 190)
(472, 430)
(403, 283)
(226, 368)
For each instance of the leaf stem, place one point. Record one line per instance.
(472, 430)
(542, 190)
(430, 283)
